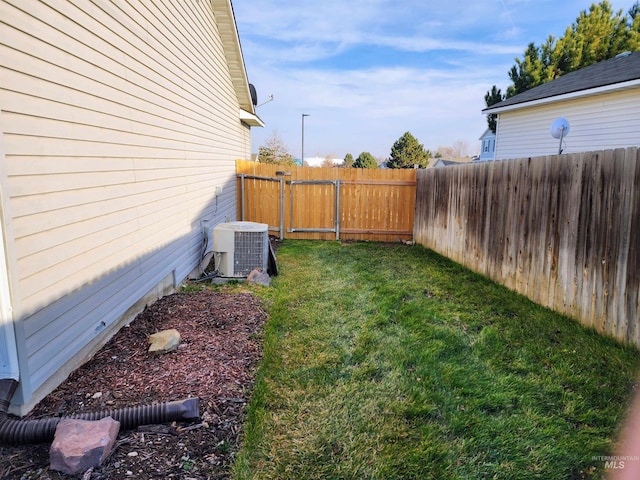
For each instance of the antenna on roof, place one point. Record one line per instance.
(266, 101)
(560, 129)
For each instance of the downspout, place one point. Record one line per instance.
(9, 365)
(16, 431)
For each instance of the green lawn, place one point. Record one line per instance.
(391, 362)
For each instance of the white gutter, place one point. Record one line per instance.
(567, 96)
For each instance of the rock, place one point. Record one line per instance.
(259, 277)
(164, 342)
(82, 444)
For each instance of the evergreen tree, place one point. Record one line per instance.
(597, 34)
(634, 26)
(492, 97)
(535, 68)
(365, 160)
(348, 161)
(407, 152)
(523, 74)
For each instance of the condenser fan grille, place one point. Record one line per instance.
(251, 250)
(240, 248)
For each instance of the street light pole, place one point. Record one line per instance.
(303, 115)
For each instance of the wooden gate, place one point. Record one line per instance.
(328, 203)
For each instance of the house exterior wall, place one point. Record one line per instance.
(597, 123)
(487, 146)
(118, 120)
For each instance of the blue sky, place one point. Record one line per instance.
(366, 71)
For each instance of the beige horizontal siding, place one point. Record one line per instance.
(119, 120)
(596, 123)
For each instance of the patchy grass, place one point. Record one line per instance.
(387, 361)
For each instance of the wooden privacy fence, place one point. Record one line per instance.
(328, 203)
(563, 230)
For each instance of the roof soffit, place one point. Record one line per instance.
(226, 22)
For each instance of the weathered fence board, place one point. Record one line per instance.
(328, 203)
(563, 230)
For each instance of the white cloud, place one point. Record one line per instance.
(367, 110)
(420, 66)
(426, 44)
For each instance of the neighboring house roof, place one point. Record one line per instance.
(447, 163)
(226, 22)
(487, 133)
(622, 71)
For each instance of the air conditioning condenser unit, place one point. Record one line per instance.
(240, 247)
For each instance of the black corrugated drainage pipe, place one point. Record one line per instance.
(16, 431)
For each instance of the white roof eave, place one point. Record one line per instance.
(250, 119)
(226, 22)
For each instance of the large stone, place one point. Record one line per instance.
(79, 445)
(259, 277)
(164, 342)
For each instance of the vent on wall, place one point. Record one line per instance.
(240, 247)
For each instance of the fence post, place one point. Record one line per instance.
(291, 205)
(242, 196)
(337, 215)
(281, 208)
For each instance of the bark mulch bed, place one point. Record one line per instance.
(216, 361)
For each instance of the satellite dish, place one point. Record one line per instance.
(559, 129)
(254, 94)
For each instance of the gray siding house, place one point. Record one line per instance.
(601, 103)
(120, 124)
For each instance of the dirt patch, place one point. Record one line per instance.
(216, 361)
